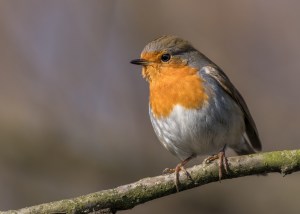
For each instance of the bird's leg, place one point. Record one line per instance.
(177, 169)
(223, 163)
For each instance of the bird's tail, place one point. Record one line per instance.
(243, 148)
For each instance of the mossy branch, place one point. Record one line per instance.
(130, 195)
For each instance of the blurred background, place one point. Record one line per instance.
(74, 111)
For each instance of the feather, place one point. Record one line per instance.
(221, 78)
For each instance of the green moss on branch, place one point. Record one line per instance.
(130, 195)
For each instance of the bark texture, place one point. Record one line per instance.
(130, 195)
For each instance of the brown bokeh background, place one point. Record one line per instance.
(74, 112)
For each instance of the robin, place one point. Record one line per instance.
(194, 108)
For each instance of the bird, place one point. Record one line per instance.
(194, 108)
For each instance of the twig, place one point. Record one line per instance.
(130, 195)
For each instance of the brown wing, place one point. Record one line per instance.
(226, 84)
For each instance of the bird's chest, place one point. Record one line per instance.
(171, 90)
(173, 101)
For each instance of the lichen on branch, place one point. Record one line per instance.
(130, 195)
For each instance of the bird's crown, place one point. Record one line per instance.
(171, 44)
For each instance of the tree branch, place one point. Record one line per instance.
(130, 195)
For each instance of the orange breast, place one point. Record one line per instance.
(176, 85)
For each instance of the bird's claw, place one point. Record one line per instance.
(168, 171)
(177, 169)
(222, 162)
(210, 159)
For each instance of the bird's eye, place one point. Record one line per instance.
(165, 57)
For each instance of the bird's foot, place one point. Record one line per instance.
(177, 169)
(223, 162)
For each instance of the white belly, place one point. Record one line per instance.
(202, 131)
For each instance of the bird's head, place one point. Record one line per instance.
(167, 55)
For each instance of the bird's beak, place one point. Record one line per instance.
(139, 62)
